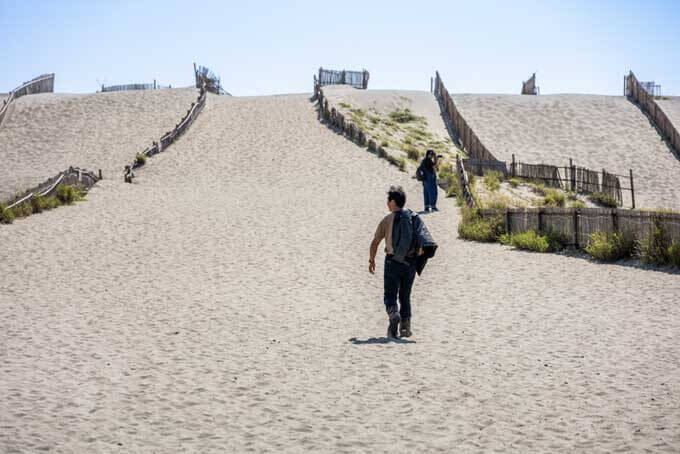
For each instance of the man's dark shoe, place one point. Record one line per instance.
(393, 327)
(435, 209)
(405, 328)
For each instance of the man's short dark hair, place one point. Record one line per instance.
(397, 194)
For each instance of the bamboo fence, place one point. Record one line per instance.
(635, 91)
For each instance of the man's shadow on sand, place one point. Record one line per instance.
(380, 340)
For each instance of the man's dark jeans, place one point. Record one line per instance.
(398, 282)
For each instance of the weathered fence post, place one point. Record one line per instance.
(100, 174)
(513, 172)
(615, 219)
(540, 220)
(507, 221)
(576, 233)
(572, 175)
(632, 188)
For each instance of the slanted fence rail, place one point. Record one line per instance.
(40, 84)
(471, 143)
(171, 136)
(634, 90)
(72, 176)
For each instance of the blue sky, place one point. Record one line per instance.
(264, 48)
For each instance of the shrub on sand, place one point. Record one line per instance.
(656, 247)
(403, 116)
(578, 204)
(610, 246)
(412, 152)
(474, 227)
(6, 215)
(514, 182)
(68, 194)
(402, 164)
(140, 159)
(531, 240)
(554, 198)
(492, 179)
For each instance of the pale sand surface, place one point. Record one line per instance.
(422, 103)
(671, 107)
(46, 133)
(595, 131)
(209, 307)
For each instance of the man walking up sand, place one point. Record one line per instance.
(408, 245)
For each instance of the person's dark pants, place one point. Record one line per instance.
(430, 190)
(398, 282)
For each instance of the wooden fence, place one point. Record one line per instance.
(570, 178)
(637, 93)
(40, 84)
(577, 224)
(357, 79)
(168, 138)
(72, 175)
(464, 183)
(471, 143)
(529, 87)
(207, 79)
(126, 87)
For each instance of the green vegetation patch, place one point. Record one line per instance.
(6, 215)
(404, 116)
(492, 179)
(657, 249)
(554, 198)
(611, 246)
(532, 240)
(474, 227)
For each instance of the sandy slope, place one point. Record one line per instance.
(671, 106)
(422, 103)
(209, 308)
(47, 133)
(595, 131)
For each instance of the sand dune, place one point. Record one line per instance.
(209, 307)
(596, 131)
(422, 103)
(671, 106)
(46, 133)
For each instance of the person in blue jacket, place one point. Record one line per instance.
(427, 173)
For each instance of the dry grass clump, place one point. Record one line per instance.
(412, 153)
(492, 180)
(554, 198)
(404, 116)
(603, 199)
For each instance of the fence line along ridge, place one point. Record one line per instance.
(169, 137)
(40, 84)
